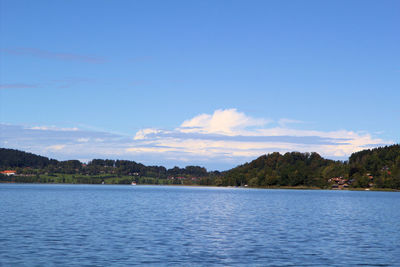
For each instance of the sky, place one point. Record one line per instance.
(210, 83)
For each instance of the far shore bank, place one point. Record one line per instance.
(233, 187)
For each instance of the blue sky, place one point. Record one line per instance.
(214, 83)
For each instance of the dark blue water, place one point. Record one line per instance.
(66, 225)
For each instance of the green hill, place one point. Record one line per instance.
(378, 168)
(290, 169)
(381, 166)
(11, 158)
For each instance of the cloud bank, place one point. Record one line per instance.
(219, 140)
(229, 134)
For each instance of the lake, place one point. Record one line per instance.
(102, 225)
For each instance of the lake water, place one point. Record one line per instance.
(102, 225)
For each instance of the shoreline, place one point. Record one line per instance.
(233, 187)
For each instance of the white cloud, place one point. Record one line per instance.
(141, 134)
(228, 122)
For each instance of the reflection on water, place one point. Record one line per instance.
(154, 225)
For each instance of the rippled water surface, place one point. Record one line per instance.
(93, 225)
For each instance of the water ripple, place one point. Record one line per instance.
(78, 225)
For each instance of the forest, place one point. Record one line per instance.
(372, 168)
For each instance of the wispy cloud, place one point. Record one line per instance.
(17, 85)
(52, 128)
(220, 140)
(54, 55)
(63, 142)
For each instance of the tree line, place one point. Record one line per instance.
(377, 168)
(28, 163)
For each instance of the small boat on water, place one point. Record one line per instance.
(133, 183)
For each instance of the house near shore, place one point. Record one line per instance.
(8, 172)
(339, 183)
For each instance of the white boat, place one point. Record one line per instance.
(133, 183)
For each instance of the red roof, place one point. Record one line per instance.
(8, 172)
